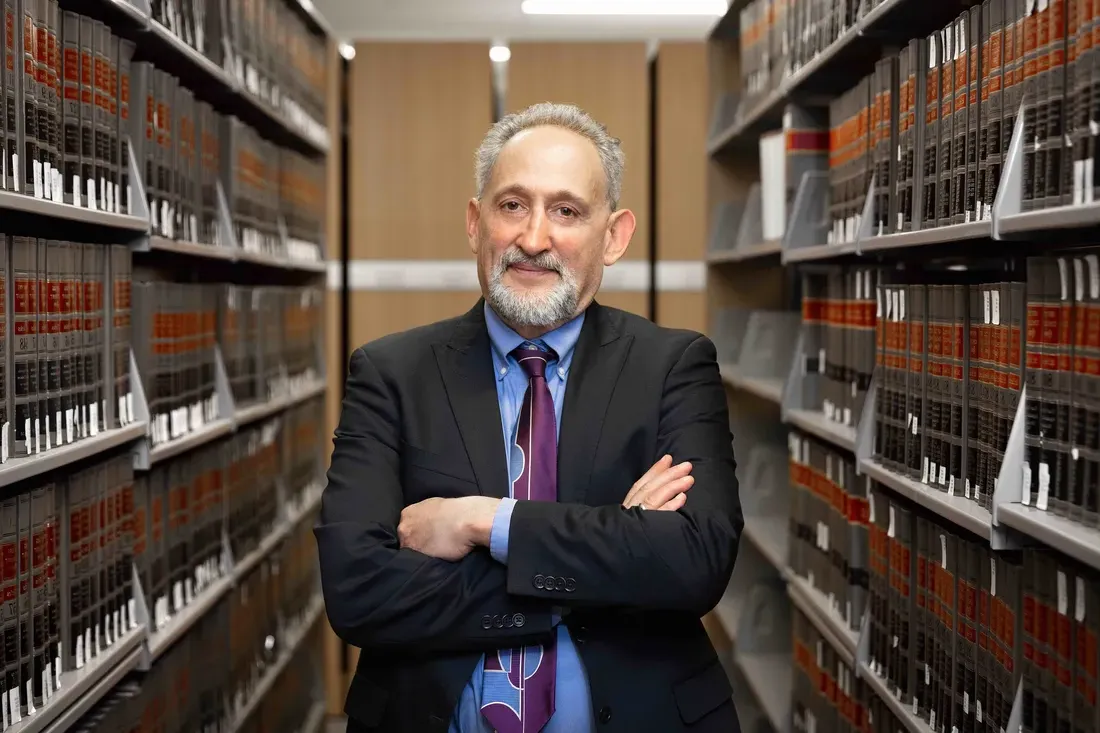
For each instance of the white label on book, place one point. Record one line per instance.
(932, 720)
(966, 703)
(951, 487)
(1079, 600)
(890, 529)
(820, 653)
(1063, 594)
(76, 191)
(89, 186)
(30, 699)
(993, 577)
(916, 424)
(978, 711)
(933, 473)
(37, 166)
(59, 426)
(924, 472)
(16, 706)
(69, 426)
(94, 421)
(4, 431)
(1044, 487)
(1089, 168)
(48, 433)
(47, 690)
(37, 436)
(927, 681)
(943, 475)
(122, 410)
(871, 506)
(1025, 484)
(995, 307)
(1078, 279)
(132, 608)
(943, 551)
(6, 714)
(79, 651)
(1063, 279)
(1078, 182)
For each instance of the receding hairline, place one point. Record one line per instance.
(561, 192)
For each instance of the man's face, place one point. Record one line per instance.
(543, 230)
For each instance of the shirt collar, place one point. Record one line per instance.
(563, 340)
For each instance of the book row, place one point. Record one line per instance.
(234, 489)
(827, 694)
(951, 351)
(73, 542)
(270, 339)
(271, 49)
(77, 132)
(76, 315)
(779, 37)
(194, 686)
(954, 627)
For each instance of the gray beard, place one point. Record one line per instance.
(528, 310)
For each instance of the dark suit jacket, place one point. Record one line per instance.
(421, 419)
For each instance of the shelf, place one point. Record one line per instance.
(163, 638)
(292, 639)
(259, 411)
(81, 689)
(815, 606)
(956, 509)
(764, 532)
(818, 252)
(1073, 539)
(742, 254)
(925, 237)
(1060, 217)
(202, 436)
(768, 388)
(909, 722)
(189, 249)
(282, 263)
(815, 423)
(24, 467)
(769, 676)
(15, 202)
(315, 719)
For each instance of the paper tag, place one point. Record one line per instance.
(80, 651)
(4, 430)
(89, 186)
(16, 706)
(1079, 600)
(1044, 487)
(943, 475)
(1078, 279)
(94, 420)
(1063, 595)
(924, 472)
(985, 307)
(995, 308)
(933, 473)
(1025, 484)
(966, 703)
(37, 167)
(1063, 278)
(951, 486)
(927, 680)
(993, 577)
(978, 710)
(890, 530)
(943, 551)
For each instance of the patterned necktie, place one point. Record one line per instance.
(518, 695)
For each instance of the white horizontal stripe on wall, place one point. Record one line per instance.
(632, 276)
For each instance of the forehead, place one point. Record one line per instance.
(549, 159)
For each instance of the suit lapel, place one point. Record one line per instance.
(601, 353)
(466, 366)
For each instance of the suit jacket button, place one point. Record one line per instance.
(605, 714)
(509, 621)
(550, 580)
(519, 620)
(486, 622)
(559, 584)
(540, 582)
(580, 636)
(498, 622)
(570, 585)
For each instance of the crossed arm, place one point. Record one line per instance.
(421, 578)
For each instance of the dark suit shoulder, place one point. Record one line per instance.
(402, 351)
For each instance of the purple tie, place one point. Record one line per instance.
(518, 694)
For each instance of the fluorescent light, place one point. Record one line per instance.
(347, 51)
(625, 7)
(500, 54)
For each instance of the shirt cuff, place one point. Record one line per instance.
(498, 536)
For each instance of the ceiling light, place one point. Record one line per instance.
(500, 54)
(625, 7)
(347, 51)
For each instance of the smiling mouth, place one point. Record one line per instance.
(530, 269)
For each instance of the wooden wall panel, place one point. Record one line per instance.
(375, 314)
(417, 112)
(682, 112)
(610, 81)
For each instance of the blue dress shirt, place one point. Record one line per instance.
(573, 711)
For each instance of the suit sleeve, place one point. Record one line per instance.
(654, 560)
(378, 594)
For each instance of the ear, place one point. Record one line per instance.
(473, 219)
(620, 230)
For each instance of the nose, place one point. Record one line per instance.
(535, 237)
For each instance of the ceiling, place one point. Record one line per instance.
(493, 21)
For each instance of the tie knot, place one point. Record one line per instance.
(533, 359)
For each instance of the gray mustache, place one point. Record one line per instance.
(545, 261)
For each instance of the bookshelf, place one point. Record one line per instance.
(162, 198)
(938, 399)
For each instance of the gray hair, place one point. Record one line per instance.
(567, 116)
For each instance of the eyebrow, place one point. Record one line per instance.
(561, 195)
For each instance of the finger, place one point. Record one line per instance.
(668, 475)
(662, 464)
(675, 503)
(661, 495)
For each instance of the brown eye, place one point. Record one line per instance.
(511, 206)
(567, 212)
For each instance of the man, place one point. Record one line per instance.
(484, 536)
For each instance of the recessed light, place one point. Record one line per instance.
(500, 54)
(347, 51)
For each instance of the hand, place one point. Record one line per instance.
(663, 487)
(447, 529)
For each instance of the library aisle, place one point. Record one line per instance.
(162, 225)
(922, 542)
